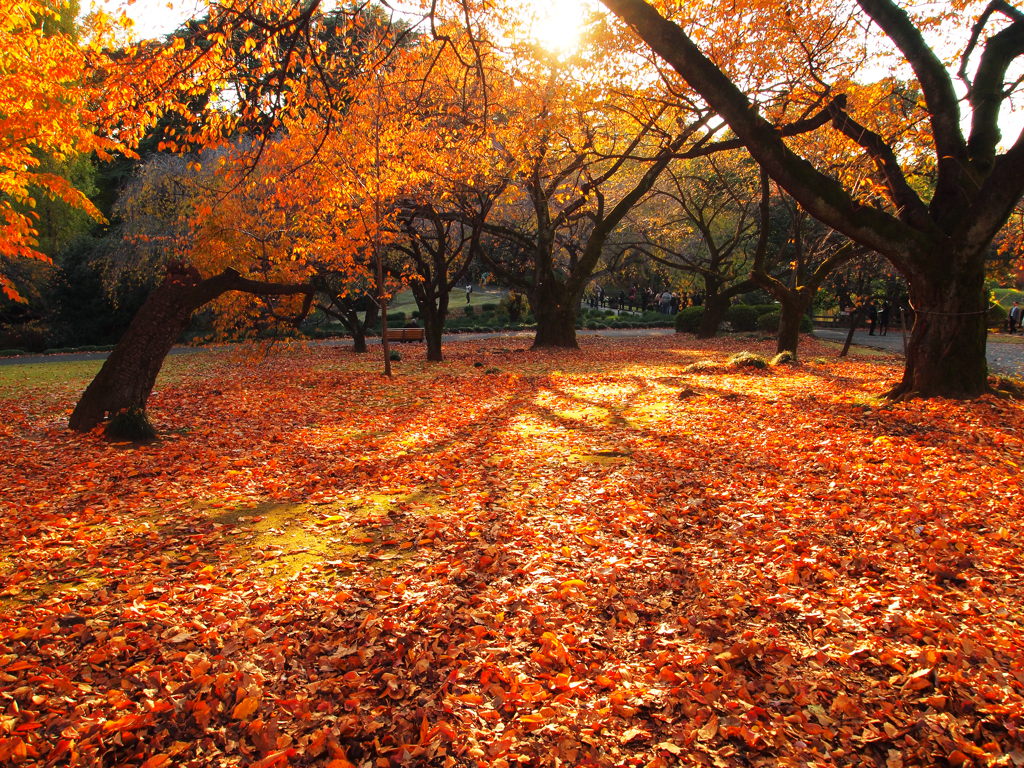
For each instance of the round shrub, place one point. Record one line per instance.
(469, 310)
(688, 320)
(394, 318)
(997, 315)
(783, 358)
(748, 360)
(489, 307)
(703, 366)
(742, 317)
(770, 322)
(395, 355)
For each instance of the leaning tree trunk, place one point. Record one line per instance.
(552, 306)
(946, 354)
(126, 379)
(715, 306)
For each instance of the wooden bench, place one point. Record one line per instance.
(406, 334)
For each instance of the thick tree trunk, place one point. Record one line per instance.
(714, 310)
(432, 314)
(946, 354)
(793, 309)
(556, 320)
(433, 330)
(127, 377)
(358, 330)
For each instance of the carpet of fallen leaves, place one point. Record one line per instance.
(514, 558)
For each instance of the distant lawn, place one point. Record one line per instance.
(406, 302)
(1006, 296)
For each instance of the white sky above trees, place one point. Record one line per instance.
(556, 28)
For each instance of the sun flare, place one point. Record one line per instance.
(557, 24)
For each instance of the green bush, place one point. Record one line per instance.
(771, 321)
(12, 352)
(395, 355)
(469, 310)
(688, 320)
(742, 317)
(783, 357)
(395, 319)
(489, 307)
(748, 360)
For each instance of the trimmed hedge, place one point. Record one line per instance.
(742, 317)
(997, 315)
(688, 320)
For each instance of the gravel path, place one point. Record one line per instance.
(1005, 357)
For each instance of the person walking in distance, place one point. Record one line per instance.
(883, 319)
(1015, 313)
(872, 318)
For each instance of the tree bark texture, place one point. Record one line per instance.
(946, 354)
(715, 306)
(129, 373)
(793, 309)
(553, 307)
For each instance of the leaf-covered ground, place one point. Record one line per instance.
(513, 558)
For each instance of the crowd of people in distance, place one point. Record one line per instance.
(638, 299)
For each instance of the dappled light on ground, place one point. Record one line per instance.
(512, 558)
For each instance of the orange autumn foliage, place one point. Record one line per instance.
(45, 109)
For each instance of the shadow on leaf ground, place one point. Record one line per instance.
(563, 562)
